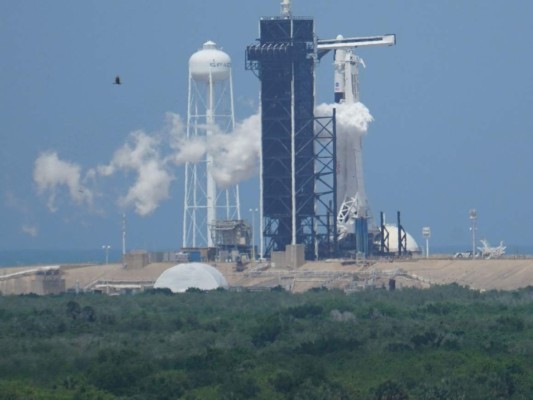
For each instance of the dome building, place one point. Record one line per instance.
(412, 246)
(181, 277)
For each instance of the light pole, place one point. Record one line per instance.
(253, 211)
(123, 236)
(106, 248)
(426, 232)
(473, 219)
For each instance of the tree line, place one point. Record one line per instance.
(447, 342)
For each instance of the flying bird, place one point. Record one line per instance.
(117, 80)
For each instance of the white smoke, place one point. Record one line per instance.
(184, 149)
(31, 230)
(192, 150)
(236, 155)
(151, 187)
(50, 173)
(153, 157)
(350, 117)
(142, 155)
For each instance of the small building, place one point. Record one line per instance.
(136, 259)
(40, 280)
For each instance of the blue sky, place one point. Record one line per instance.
(453, 128)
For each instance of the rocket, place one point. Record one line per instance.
(339, 81)
(352, 204)
(346, 80)
(353, 211)
(351, 196)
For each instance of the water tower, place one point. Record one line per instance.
(210, 111)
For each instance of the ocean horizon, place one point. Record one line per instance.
(23, 257)
(16, 258)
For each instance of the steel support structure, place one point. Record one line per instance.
(325, 187)
(383, 236)
(402, 238)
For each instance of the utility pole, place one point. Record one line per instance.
(473, 227)
(426, 232)
(106, 248)
(253, 211)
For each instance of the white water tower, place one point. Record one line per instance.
(210, 111)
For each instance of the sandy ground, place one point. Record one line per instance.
(500, 274)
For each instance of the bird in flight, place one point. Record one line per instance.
(117, 80)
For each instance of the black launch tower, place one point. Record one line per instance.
(284, 61)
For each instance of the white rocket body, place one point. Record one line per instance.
(339, 79)
(351, 196)
(352, 203)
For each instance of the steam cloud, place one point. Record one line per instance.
(350, 118)
(153, 158)
(235, 155)
(50, 173)
(30, 230)
(142, 155)
(184, 149)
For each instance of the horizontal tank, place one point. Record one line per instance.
(210, 63)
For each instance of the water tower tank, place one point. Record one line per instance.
(210, 61)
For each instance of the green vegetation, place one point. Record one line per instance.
(446, 343)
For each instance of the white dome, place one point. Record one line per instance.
(210, 62)
(181, 277)
(411, 244)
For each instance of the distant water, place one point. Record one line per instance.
(14, 258)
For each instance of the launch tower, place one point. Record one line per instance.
(300, 156)
(285, 62)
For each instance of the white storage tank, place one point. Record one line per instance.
(412, 245)
(210, 62)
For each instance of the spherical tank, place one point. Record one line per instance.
(210, 61)
(411, 244)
